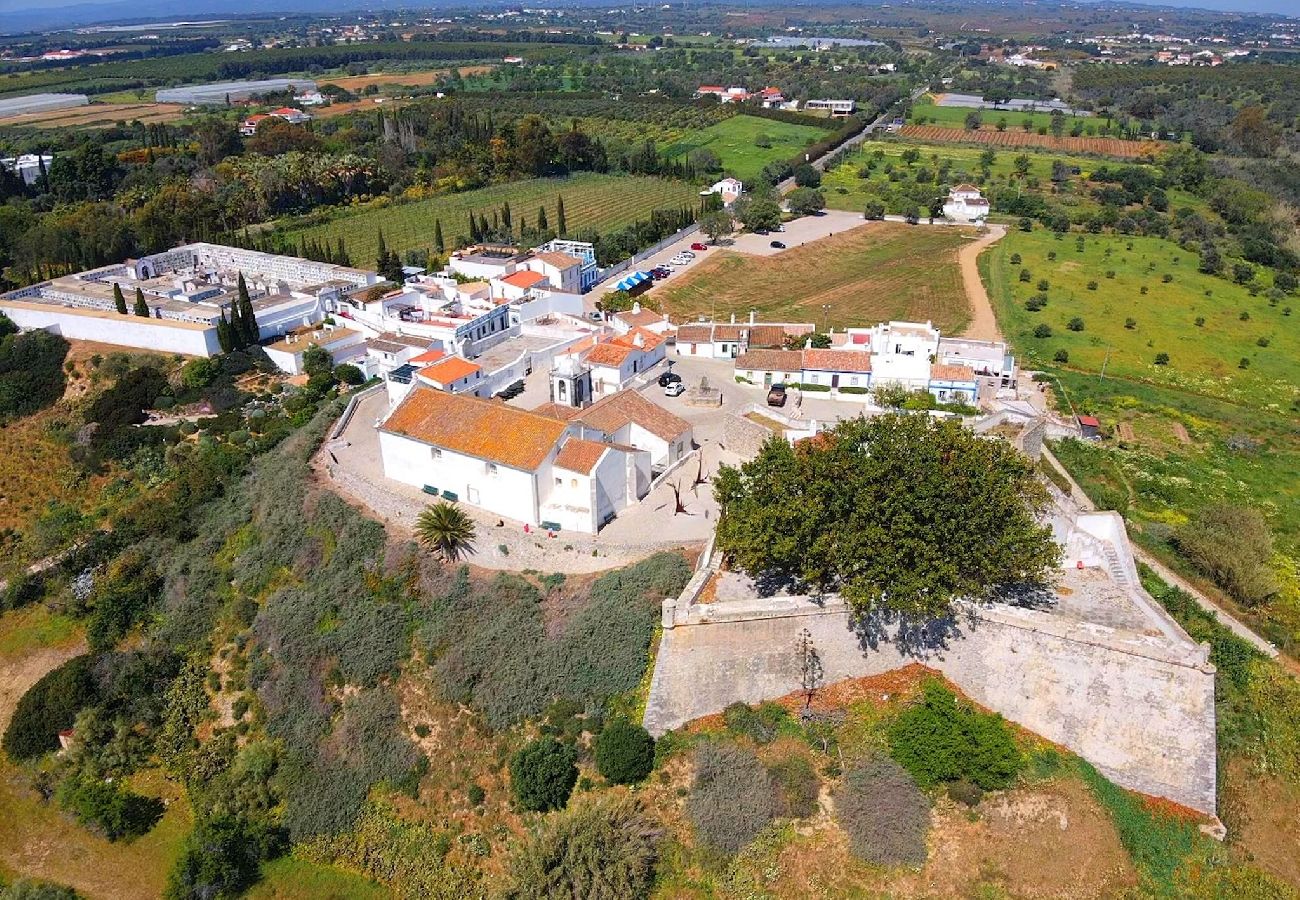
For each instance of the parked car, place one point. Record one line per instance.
(659, 273)
(668, 378)
(680, 260)
(777, 245)
(776, 395)
(761, 231)
(687, 254)
(676, 389)
(698, 246)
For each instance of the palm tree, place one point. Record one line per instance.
(446, 529)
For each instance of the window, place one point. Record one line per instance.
(853, 381)
(492, 468)
(573, 482)
(559, 482)
(435, 452)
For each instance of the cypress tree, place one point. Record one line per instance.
(437, 234)
(223, 333)
(342, 255)
(541, 218)
(118, 299)
(141, 308)
(247, 318)
(483, 226)
(474, 236)
(236, 327)
(382, 253)
(506, 221)
(561, 228)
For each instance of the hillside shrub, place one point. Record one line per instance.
(761, 723)
(604, 848)
(883, 812)
(732, 798)
(1233, 545)
(27, 889)
(108, 807)
(797, 785)
(23, 589)
(625, 753)
(942, 738)
(542, 775)
(50, 706)
(31, 372)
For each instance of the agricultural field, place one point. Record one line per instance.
(874, 273)
(736, 141)
(590, 201)
(1020, 140)
(416, 78)
(97, 115)
(924, 113)
(1214, 423)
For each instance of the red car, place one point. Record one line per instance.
(698, 246)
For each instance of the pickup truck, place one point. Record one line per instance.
(776, 395)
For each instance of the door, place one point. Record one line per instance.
(471, 495)
(767, 379)
(835, 381)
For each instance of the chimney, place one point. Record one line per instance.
(733, 318)
(753, 314)
(638, 340)
(636, 307)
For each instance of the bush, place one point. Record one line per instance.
(602, 849)
(1043, 331)
(760, 724)
(625, 753)
(797, 785)
(542, 775)
(23, 589)
(732, 798)
(26, 889)
(31, 372)
(1075, 324)
(50, 706)
(349, 374)
(1162, 359)
(942, 739)
(883, 812)
(109, 807)
(1233, 546)
(1061, 356)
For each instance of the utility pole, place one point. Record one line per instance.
(1104, 363)
(826, 317)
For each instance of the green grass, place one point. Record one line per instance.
(734, 140)
(1203, 359)
(35, 628)
(290, 878)
(955, 117)
(880, 272)
(602, 202)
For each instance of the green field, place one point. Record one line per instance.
(735, 140)
(955, 117)
(1205, 359)
(601, 202)
(871, 274)
(291, 878)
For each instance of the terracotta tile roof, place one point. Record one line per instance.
(609, 354)
(727, 332)
(649, 339)
(640, 318)
(695, 334)
(407, 340)
(485, 429)
(578, 455)
(770, 361)
(770, 336)
(613, 412)
(524, 278)
(837, 360)
(944, 372)
(473, 287)
(428, 358)
(449, 370)
(559, 260)
(965, 187)
(557, 411)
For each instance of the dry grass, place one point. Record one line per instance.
(878, 272)
(98, 115)
(356, 83)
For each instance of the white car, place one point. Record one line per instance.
(679, 260)
(689, 254)
(676, 389)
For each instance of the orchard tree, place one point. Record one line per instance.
(717, 224)
(805, 201)
(900, 514)
(758, 213)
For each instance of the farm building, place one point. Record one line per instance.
(217, 94)
(34, 103)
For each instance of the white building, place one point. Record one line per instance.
(28, 166)
(638, 317)
(722, 340)
(729, 189)
(615, 363)
(512, 463)
(629, 419)
(965, 203)
(343, 345)
(838, 109)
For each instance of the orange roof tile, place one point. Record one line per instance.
(451, 369)
(770, 361)
(609, 354)
(559, 260)
(649, 339)
(578, 455)
(524, 278)
(694, 334)
(944, 372)
(837, 360)
(428, 357)
(641, 317)
(482, 428)
(557, 411)
(613, 412)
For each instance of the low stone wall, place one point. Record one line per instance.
(743, 437)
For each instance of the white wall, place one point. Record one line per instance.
(124, 331)
(510, 492)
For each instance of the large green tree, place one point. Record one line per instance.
(900, 513)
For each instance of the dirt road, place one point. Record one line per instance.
(983, 324)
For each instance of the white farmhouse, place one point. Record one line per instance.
(965, 203)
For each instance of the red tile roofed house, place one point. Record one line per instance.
(516, 285)
(504, 460)
(769, 367)
(1089, 427)
(637, 317)
(840, 370)
(291, 115)
(452, 374)
(953, 384)
(629, 418)
(248, 127)
(616, 362)
(562, 270)
(721, 340)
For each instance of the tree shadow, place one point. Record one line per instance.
(920, 638)
(1025, 594)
